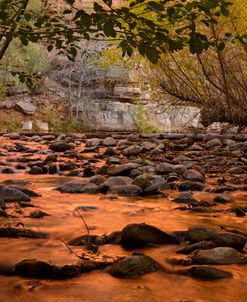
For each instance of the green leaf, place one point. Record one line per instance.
(67, 11)
(170, 11)
(224, 11)
(221, 46)
(152, 54)
(196, 44)
(109, 30)
(98, 8)
(155, 6)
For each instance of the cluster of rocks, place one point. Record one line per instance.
(206, 248)
(133, 165)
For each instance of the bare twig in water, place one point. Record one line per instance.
(79, 213)
(90, 245)
(69, 249)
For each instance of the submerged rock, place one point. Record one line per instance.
(115, 181)
(72, 187)
(224, 239)
(139, 235)
(11, 232)
(189, 185)
(38, 214)
(193, 174)
(125, 190)
(85, 240)
(35, 269)
(133, 266)
(218, 255)
(121, 170)
(185, 197)
(60, 146)
(206, 273)
(202, 245)
(9, 194)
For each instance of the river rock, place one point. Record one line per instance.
(109, 142)
(110, 151)
(237, 170)
(9, 194)
(97, 179)
(115, 181)
(185, 197)
(197, 234)
(35, 269)
(180, 169)
(122, 170)
(221, 198)
(38, 214)
(133, 138)
(68, 271)
(189, 185)
(2, 204)
(133, 150)
(193, 174)
(72, 187)
(125, 190)
(10, 232)
(92, 142)
(90, 188)
(85, 240)
(60, 146)
(35, 170)
(205, 272)
(8, 170)
(195, 147)
(133, 266)
(202, 245)
(218, 255)
(164, 168)
(25, 106)
(139, 235)
(143, 181)
(213, 143)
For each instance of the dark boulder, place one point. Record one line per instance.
(140, 235)
(133, 266)
(9, 194)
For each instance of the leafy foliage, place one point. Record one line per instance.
(152, 27)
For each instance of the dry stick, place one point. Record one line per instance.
(69, 249)
(79, 213)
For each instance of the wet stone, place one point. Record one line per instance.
(10, 232)
(133, 150)
(141, 235)
(226, 239)
(219, 255)
(60, 146)
(207, 273)
(185, 197)
(9, 194)
(133, 266)
(36, 170)
(195, 175)
(125, 190)
(221, 198)
(202, 245)
(189, 185)
(38, 214)
(35, 269)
